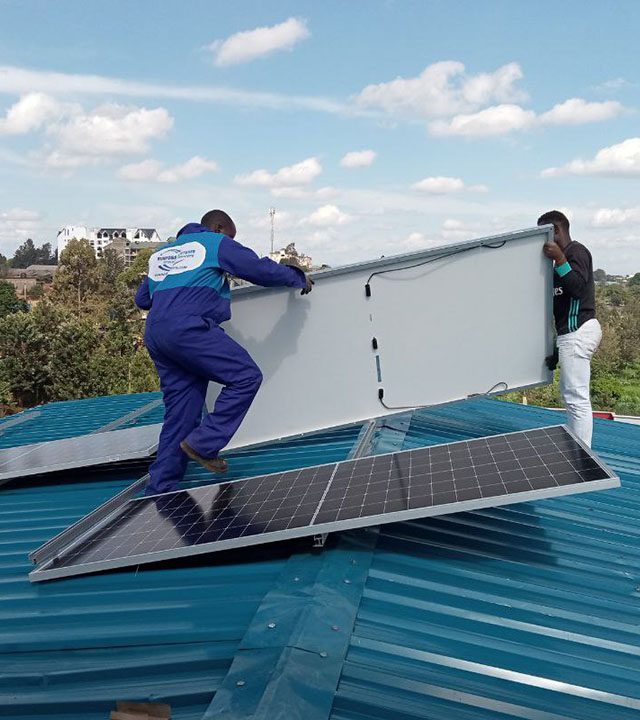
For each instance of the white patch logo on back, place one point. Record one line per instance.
(176, 260)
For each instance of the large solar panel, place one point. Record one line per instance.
(435, 480)
(85, 451)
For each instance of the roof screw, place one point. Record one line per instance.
(296, 579)
(354, 562)
(335, 627)
(271, 625)
(240, 683)
(323, 654)
(347, 581)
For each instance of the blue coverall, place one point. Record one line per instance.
(187, 295)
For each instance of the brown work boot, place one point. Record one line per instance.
(215, 465)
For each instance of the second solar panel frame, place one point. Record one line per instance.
(48, 570)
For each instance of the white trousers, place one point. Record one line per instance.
(575, 351)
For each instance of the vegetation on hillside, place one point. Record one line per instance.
(83, 339)
(615, 368)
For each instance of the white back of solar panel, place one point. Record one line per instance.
(479, 320)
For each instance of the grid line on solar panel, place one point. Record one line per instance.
(209, 514)
(382, 488)
(445, 474)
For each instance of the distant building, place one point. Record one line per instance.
(24, 279)
(99, 238)
(290, 254)
(127, 249)
(37, 272)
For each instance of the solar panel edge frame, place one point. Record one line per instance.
(612, 481)
(147, 452)
(107, 509)
(67, 537)
(128, 417)
(589, 450)
(72, 532)
(18, 419)
(42, 574)
(396, 452)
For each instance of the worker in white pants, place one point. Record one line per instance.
(578, 331)
(575, 351)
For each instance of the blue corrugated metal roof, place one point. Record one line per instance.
(169, 632)
(526, 611)
(58, 420)
(523, 611)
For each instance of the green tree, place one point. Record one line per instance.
(78, 280)
(36, 292)
(28, 254)
(25, 255)
(599, 275)
(4, 266)
(133, 275)
(45, 256)
(110, 266)
(616, 295)
(9, 301)
(25, 352)
(72, 348)
(634, 280)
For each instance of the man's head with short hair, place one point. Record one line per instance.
(219, 222)
(560, 224)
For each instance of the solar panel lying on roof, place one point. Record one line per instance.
(436, 480)
(84, 451)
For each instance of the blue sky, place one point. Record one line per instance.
(372, 128)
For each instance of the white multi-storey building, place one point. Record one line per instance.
(290, 253)
(99, 238)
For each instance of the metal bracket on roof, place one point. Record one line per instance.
(364, 441)
(129, 416)
(393, 430)
(320, 540)
(18, 419)
(89, 522)
(362, 446)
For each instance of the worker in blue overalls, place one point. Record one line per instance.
(187, 295)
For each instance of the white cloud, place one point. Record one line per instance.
(76, 137)
(192, 168)
(496, 120)
(442, 185)
(417, 241)
(485, 104)
(16, 225)
(301, 173)
(283, 220)
(142, 171)
(443, 89)
(32, 112)
(290, 193)
(16, 80)
(452, 228)
(577, 111)
(615, 217)
(327, 216)
(358, 158)
(251, 44)
(109, 130)
(154, 171)
(613, 85)
(621, 160)
(299, 193)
